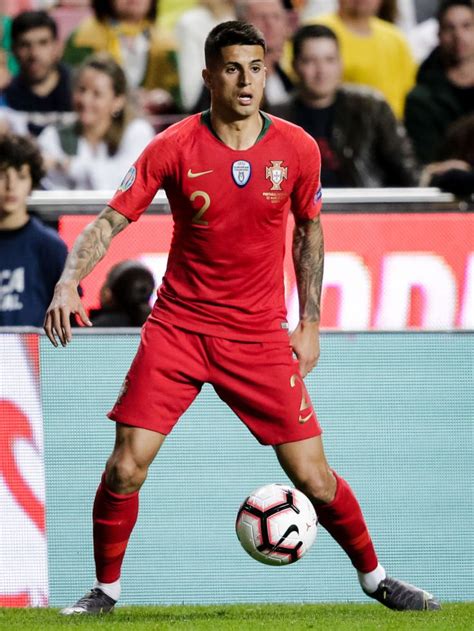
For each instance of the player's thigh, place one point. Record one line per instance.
(166, 375)
(262, 384)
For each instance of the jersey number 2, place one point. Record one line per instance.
(197, 218)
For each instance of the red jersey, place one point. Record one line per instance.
(230, 207)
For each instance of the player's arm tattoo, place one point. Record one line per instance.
(92, 244)
(308, 257)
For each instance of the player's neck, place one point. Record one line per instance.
(238, 134)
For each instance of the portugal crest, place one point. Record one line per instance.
(241, 172)
(276, 174)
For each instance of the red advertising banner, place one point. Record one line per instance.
(382, 272)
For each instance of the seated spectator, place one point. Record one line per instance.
(41, 90)
(97, 150)
(454, 172)
(32, 255)
(125, 296)
(360, 141)
(270, 17)
(128, 31)
(374, 52)
(444, 91)
(191, 31)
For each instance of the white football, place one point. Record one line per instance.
(276, 524)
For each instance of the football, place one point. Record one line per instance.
(276, 524)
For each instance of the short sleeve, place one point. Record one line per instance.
(306, 199)
(144, 178)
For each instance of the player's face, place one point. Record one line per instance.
(15, 186)
(456, 34)
(318, 67)
(37, 52)
(94, 99)
(236, 81)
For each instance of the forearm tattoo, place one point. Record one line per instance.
(92, 244)
(308, 257)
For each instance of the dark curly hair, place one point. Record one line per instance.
(15, 151)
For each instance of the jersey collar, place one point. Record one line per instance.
(206, 120)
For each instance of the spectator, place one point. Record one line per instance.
(360, 141)
(191, 31)
(444, 91)
(455, 171)
(128, 31)
(125, 296)
(42, 89)
(97, 150)
(32, 256)
(270, 17)
(374, 52)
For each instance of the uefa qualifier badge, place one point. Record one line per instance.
(241, 172)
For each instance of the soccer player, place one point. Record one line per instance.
(231, 175)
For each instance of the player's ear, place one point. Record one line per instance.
(206, 77)
(264, 76)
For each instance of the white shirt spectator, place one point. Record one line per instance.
(92, 168)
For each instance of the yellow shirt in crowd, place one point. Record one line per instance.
(381, 60)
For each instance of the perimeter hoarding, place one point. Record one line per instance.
(382, 272)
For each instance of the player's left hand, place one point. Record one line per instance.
(305, 344)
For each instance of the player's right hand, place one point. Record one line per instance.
(57, 322)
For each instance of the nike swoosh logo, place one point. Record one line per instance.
(191, 174)
(304, 419)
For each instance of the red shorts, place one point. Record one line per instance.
(259, 381)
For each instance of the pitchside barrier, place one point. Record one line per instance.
(393, 393)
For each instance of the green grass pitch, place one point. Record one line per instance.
(347, 617)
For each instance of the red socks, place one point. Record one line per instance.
(114, 517)
(344, 521)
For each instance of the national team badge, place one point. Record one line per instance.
(128, 180)
(241, 172)
(276, 174)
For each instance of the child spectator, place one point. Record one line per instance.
(125, 296)
(32, 255)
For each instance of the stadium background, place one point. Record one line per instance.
(393, 393)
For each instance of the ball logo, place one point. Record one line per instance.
(128, 180)
(241, 172)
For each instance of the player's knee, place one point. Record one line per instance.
(124, 475)
(318, 484)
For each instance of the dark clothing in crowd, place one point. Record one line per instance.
(433, 105)
(31, 261)
(54, 108)
(112, 317)
(361, 142)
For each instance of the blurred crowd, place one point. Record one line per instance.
(386, 87)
